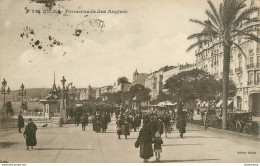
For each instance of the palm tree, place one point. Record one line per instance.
(227, 24)
(122, 81)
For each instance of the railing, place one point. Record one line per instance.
(238, 70)
(253, 66)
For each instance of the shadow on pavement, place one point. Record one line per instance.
(109, 132)
(61, 149)
(199, 137)
(7, 144)
(180, 144)
(131, 138)
(179, 161)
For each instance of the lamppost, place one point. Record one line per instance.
(4, 91)
(22, 93)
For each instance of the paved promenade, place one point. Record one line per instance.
(70, 144)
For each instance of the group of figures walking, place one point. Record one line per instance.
(152, 129)
(149, 140)
(126, 121)
(100, 116)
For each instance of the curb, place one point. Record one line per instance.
(251, 137)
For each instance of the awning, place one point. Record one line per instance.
(229, 102)
(166, 103)
(220, 103)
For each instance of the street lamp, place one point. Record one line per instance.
(22, 93)
(3, 91)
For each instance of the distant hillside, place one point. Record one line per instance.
(34, 93)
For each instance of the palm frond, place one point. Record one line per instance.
(212, 17)
(209, 26)
(246, 29)
(196, 44)
(240, 49)
(249, 36)
(202, 34)
(214, 11)
(245, 14)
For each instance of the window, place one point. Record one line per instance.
(240, 64)
(251, 60)
(258, 60)
(250, 78)
(258, 78)
(239, 56)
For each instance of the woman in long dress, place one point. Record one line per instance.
(30, 134)
(145, 141)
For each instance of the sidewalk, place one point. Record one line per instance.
(227, 132)
(8, 131)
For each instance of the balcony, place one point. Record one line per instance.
(253, 66)
(238, 70)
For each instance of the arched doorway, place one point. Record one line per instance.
(239, 103)
(254, 103)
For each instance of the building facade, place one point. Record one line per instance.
(244, 70)
(139, 78)
(154, 82)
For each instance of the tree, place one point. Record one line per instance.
(162, 97)
(114, 98)
(227, 24)
(140, 92)
(183, 87)
(186, 87)
(122, 81)
(9, 108)
(24, 106)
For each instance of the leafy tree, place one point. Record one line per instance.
(9, 108)
(226, 24)
(186, 87)
(24, 106)
(140, 92)
(114, 98)
(162, 97)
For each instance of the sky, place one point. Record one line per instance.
(152, 34)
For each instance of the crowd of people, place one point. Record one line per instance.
(153, 125)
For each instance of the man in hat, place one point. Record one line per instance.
(20, 123)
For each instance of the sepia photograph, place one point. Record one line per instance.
(130, 81)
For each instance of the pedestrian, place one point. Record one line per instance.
(161, 127)
(119, 126)
(182, 122)
(157, 146)
(145, 141)
(126, 128)
(104, 121)
(61, 121)
(83, 122)
(30, 134)
(20, 123)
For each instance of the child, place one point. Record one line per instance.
(157, 145)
